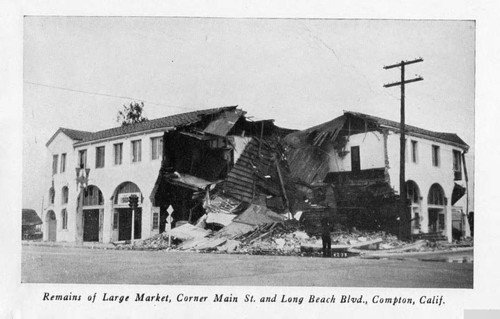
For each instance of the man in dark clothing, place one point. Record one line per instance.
(326, 238)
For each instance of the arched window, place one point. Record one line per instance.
(52, 195)
(92, 196)
(64, 218)
(126, 188)
(412, 192)
(64, 195)
(436, 195)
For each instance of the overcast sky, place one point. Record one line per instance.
(299, 72)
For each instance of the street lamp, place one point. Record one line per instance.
(82, 179)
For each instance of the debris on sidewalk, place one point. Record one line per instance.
(219, 218)
(230, 246)
(416, 246)
(157, 242)
(188, 231)
(317, 247)
(256, 230)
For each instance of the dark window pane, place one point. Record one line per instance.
(355, 160)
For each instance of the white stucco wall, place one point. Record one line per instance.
(61, 144)
(107, 179)
(423, 173)
(371, 152)
(111, 176)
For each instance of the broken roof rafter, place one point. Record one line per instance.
(320, 133)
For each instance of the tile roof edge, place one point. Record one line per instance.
(214, 110)
(62, 130)
(376, 118)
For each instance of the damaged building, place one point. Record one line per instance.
(124, 161)
(221, 168)
(217, 169)
(223, 163)
(359, 155)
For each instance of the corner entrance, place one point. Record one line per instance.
(125, 223)
(436, 211)
(122, 213)
(93, 214)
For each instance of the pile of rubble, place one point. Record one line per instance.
(282, 240)
(157, 242)
(257, 230)
(274, 238)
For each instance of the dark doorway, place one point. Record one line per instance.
(355, 160)
(91, 225)
(125, 223)
(433, 220)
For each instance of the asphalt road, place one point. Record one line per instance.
(97, 266)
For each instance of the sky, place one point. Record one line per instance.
(79, 71)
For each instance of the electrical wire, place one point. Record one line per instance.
(109, 95)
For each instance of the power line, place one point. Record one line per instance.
(107, 95)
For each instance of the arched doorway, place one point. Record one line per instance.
(51, 222)
(413, 196)
(436, 209)
(123, 214)
(93, 203)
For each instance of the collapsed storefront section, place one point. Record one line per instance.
(344, 170)
(216, 169)
(359, 155)
(225, 155)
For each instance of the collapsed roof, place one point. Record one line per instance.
(307, 150)
(354, 122)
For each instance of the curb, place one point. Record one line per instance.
(416, 253)
(68, 245)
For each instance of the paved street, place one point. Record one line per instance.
(81, 265)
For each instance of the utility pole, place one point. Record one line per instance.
(403, 220)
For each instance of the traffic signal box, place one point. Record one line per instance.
(133, 201)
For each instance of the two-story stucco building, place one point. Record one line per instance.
(362, 153)
(119, 162)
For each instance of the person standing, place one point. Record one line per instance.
(326, 237)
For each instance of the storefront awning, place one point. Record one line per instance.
(458, 192)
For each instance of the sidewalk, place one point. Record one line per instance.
(381, 254)
(88, 245)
